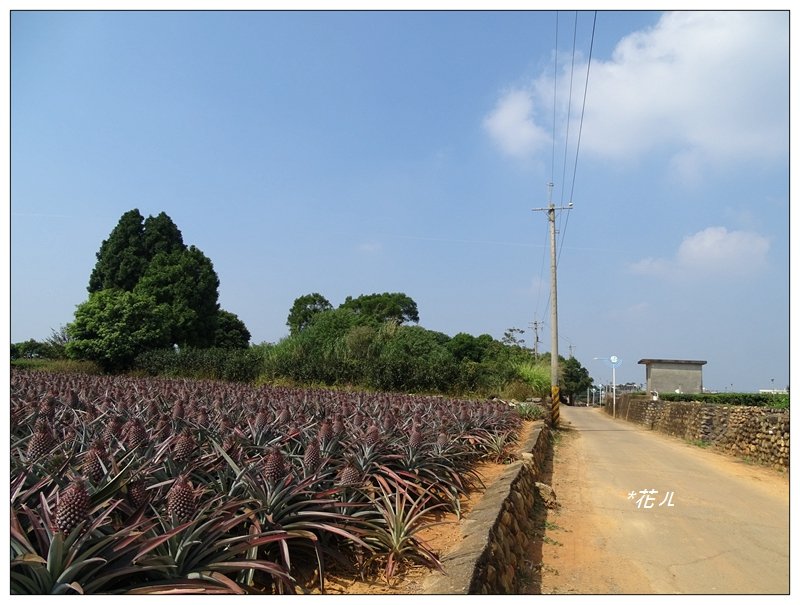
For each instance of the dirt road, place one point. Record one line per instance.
(644, 513)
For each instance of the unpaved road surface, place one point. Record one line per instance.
(715, 525)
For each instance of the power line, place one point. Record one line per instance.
(580, 125)
(583, 109)
(569, 106)
(555, 88)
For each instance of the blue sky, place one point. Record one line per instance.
(348, 153)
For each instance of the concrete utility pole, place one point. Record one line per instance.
(551, 216)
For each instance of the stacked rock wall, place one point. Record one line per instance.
(496, 538)
(756, 433)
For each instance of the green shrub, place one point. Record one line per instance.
(778, 401)
(238, 365)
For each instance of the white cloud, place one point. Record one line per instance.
(713, 252)
(710, 83)
(705, 87)
(511, 125)
(369, 247)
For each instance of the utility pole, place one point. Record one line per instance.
(554, 394)
(535, 325)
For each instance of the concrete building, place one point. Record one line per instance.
(674, 375)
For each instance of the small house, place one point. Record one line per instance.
(674, 375)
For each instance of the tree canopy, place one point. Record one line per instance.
(185, 280)
(575, 378)
(231, 333)
(394, 306)
(304, 309)
(114, 326)
(145, 262)
(122, 259)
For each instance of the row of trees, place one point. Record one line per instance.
(369, 341)
(153, 303)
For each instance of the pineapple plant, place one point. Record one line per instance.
(181, 499)
(137, 493)
(283, 416)
(184, 446)
(349, 475)
(274, 466)
(260, 421)
(312, 456)
(135, 435)
(373, 435)
(415, 437)
(93, 462)
(73, 506)
(325, 432)
(113, 429)
(41, 442)
(358, 456)
(338, 426)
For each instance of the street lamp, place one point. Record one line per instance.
(614, 361)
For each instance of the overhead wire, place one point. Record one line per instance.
(580, 125)
(552, 157)
(569, 117)
(555, 77)
(580, 128)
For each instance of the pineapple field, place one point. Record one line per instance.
(123, 485)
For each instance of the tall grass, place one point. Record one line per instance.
(536, 375)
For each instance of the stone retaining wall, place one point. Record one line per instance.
(756, 433)
(496, 537)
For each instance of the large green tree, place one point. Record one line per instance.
(389, 306)
(122, 258)
(231, 333)
(304, 309)
(575, 378)
(161, 235)
(148, 260)
(466, 346)
(414, 359)
(114, 326)
(185, 280)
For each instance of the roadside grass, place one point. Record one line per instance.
(58, 365)
(550, 525)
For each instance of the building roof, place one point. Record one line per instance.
(693, 362)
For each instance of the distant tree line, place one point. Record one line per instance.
(153, 308)
(369, 341)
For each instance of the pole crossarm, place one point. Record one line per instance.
(548, 208)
